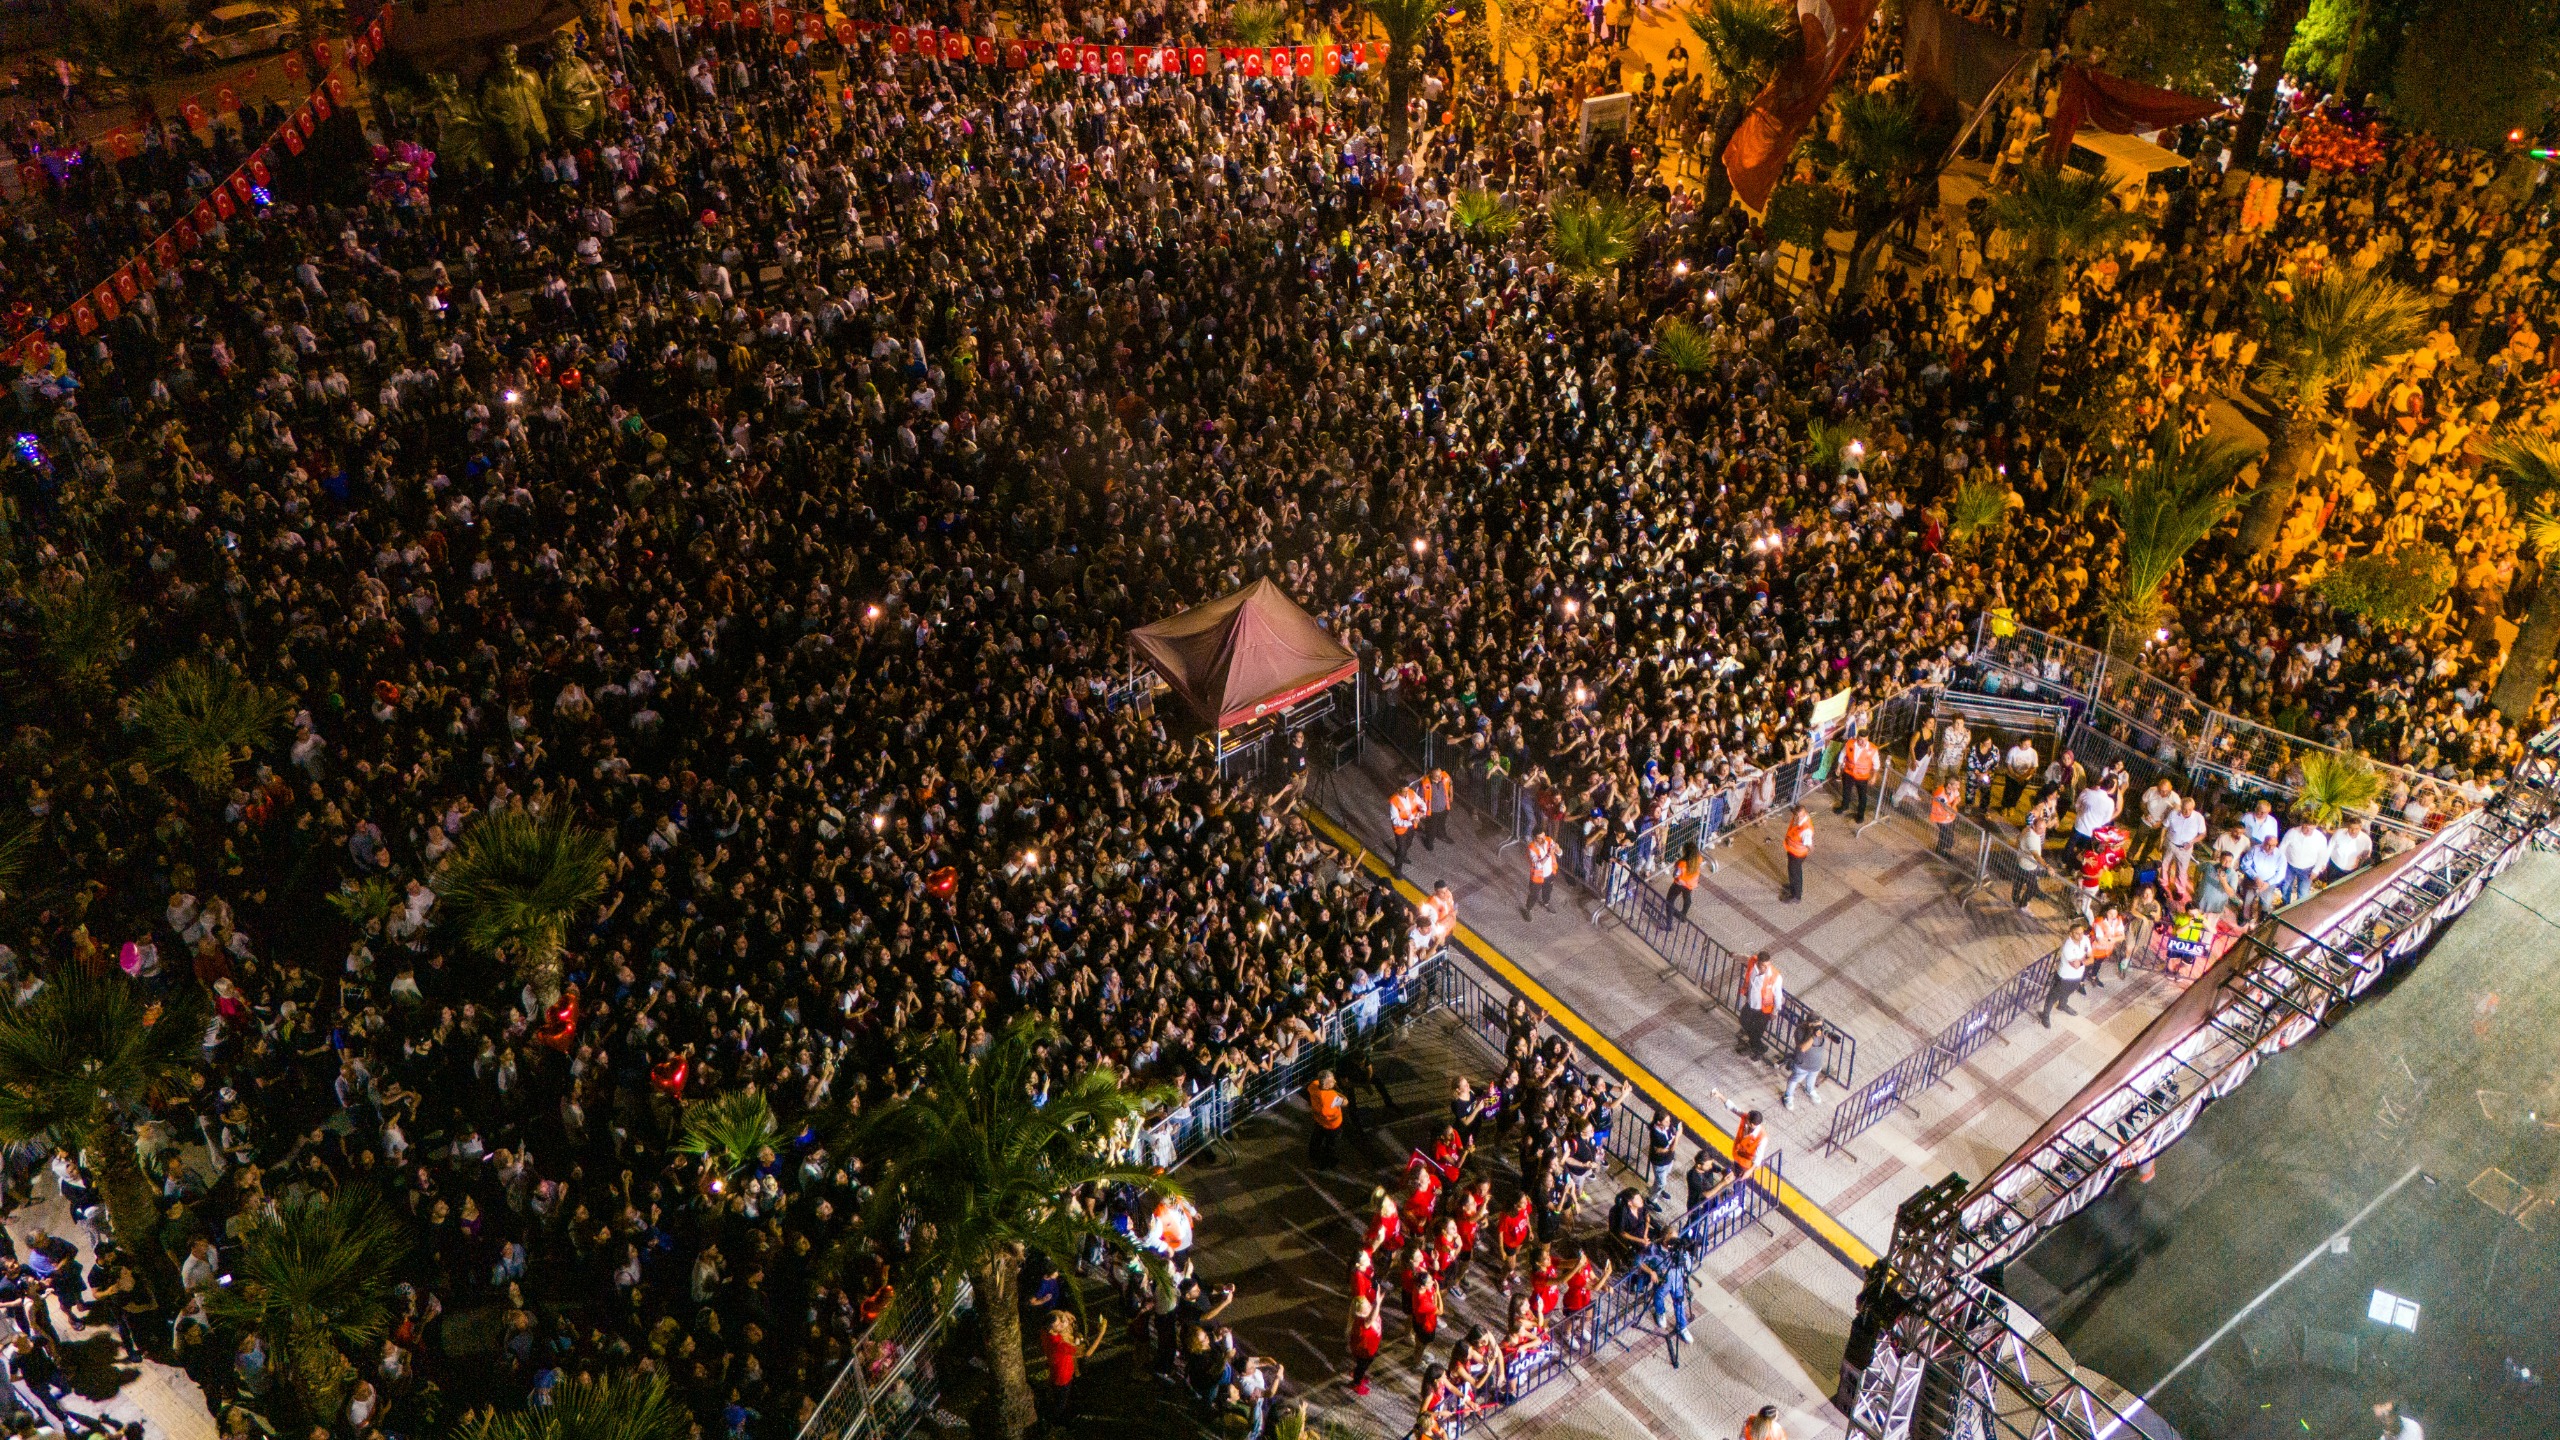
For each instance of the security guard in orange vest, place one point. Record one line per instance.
(1858, 761)
(1329, 1106)
(1799, 845)
(1543, 852)
(1684, 879)
(1405, 811)
(1436, 796)
(1763, 991)
(1942, 812)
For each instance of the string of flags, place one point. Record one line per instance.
(324, 65)
(1277, 62)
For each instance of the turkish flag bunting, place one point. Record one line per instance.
(902, 40)
(1253, 64)
(1306, 58)
(84, 316)
(225, 98)
(1093, 59)
(1196, 60)
(193, 109)
(363, 49)
(258, 172)
(189, 233)
(986, 50)
(1331, 60)
(303, 122)
(721, 14)
(813, 28)
(1070, 55)
(292, 139)
(325, 54)
(120, 142)
(1016, 55)
(374, 31)
(1360, 53)
(125, 288)
(240, 187)
(782, 21)
(164, 251)
(320, 104)
(845, 32)
(108, 307)
(337, 92)
(224, 207)
(1115, 60)
(293, 66)
(140, 270)
(751, 16)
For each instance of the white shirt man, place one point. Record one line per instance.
(2262, 824)
(2184, 827)
(2349, 849)
(2096, 806)
(2306, 854)
(2158, 804)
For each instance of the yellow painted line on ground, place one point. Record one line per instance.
(1826, 1229)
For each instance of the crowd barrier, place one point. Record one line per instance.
(890, 1384)
(1893, 1087)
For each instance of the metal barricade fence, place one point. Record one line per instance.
(890, 1384)
(1718, 971)
(1894, 1086)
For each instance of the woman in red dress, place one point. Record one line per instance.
(1510, 1233)
(1368, 1332)
(1422, 1300)
(1546, 1281)
(1386, 1229)
(1449, 1259)
(1582, 1283)
(1364, 1276)
(1474, 1213)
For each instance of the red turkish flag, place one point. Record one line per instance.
(845, 32)
(30, 176)
(1093, 59)
(125, 288)
(902, 40)
(292, 139)
(189, 231)
(813, 28)
(224, 207)
(721, 14)
(325, 54)
(1305, 55)
(193, 109)
(1016, 55)
(1253, 64)
(751, 16)
(120, 143)
(1196, 60)
(258, 172)
(363, 50)
(303, 122)
(1360, 53)
(1115, 60)
(1070, 55)
(293, 65)
(986, 50)
(225, 98)
(85, 317)
(320, 102)
(1331, 60)
(1832, 32)
(108, 307)
(164, 251)
(374, 32)
(240, 187)
(956, 46)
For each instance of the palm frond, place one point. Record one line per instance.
(1590, 235)
(729, 1130)
(2337, 332)
(1740, 42)
(2542, 526)
(515, 882)
(82, 628)
(969, 1154)
(2335, 786)
(1881, 141)
(1827, 444)
(621, 1407)
(1683, 346)
(1404, 21)
(2062, 214)
(1977, 507)
(203, 720)
(2165, 506)
(1484, 215)
(361, 902)
(2529, 464)
(88, 1050)
(1257, 22)
(2394, 589)
(321, 1271)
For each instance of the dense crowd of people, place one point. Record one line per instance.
(769, 481)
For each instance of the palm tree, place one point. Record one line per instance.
(2164, 506)
(1740, 42)
(2530, 465)
(730, 1130)
(82, 629)
(1682, 346)
(516, 881)
(2059, 216)
(1406, 22)
(982, 1171)
(2392, 588)
(203, 720)
(2330, 338)
(316, 1281)
(80, 1063)
(2335, 786)
(1882, 146)
(1590, 235)
(621, 1407)
(2275, 37)
(1257, 24)
(361, 902)
(1484, 215)
(1978, 507)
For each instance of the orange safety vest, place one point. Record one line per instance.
(1435, 791)
(1746, 1146)
(1762, 989)
(1685, 874)
(1443, 913)
(1941, 811)
(1328, 1107)
(1800, 836)
(1861, 759)
(1405, 809)
(1542, 858)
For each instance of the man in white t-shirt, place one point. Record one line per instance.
(2179, 833)
(2306, 854)
(2349, 849)
(2394, 1425)
(2095, 807)
(2262, 824)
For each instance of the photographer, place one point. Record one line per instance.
(1666, 1270)
(1632, 1223)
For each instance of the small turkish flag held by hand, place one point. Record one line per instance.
(986, 50)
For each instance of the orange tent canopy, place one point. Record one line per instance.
(1243, 657)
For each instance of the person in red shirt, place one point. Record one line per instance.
(1474, 1213)
(1064, 1351)
(1582, 1283)
(1546, 1282)
(1422, 1301)
(1448, 1257)
(1449, 1156)
(1368, 1332)
(1386, 1231)
(1510, 1233)
(1423, 1200)
(1364, 1276)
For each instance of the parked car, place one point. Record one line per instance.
(235, 31)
